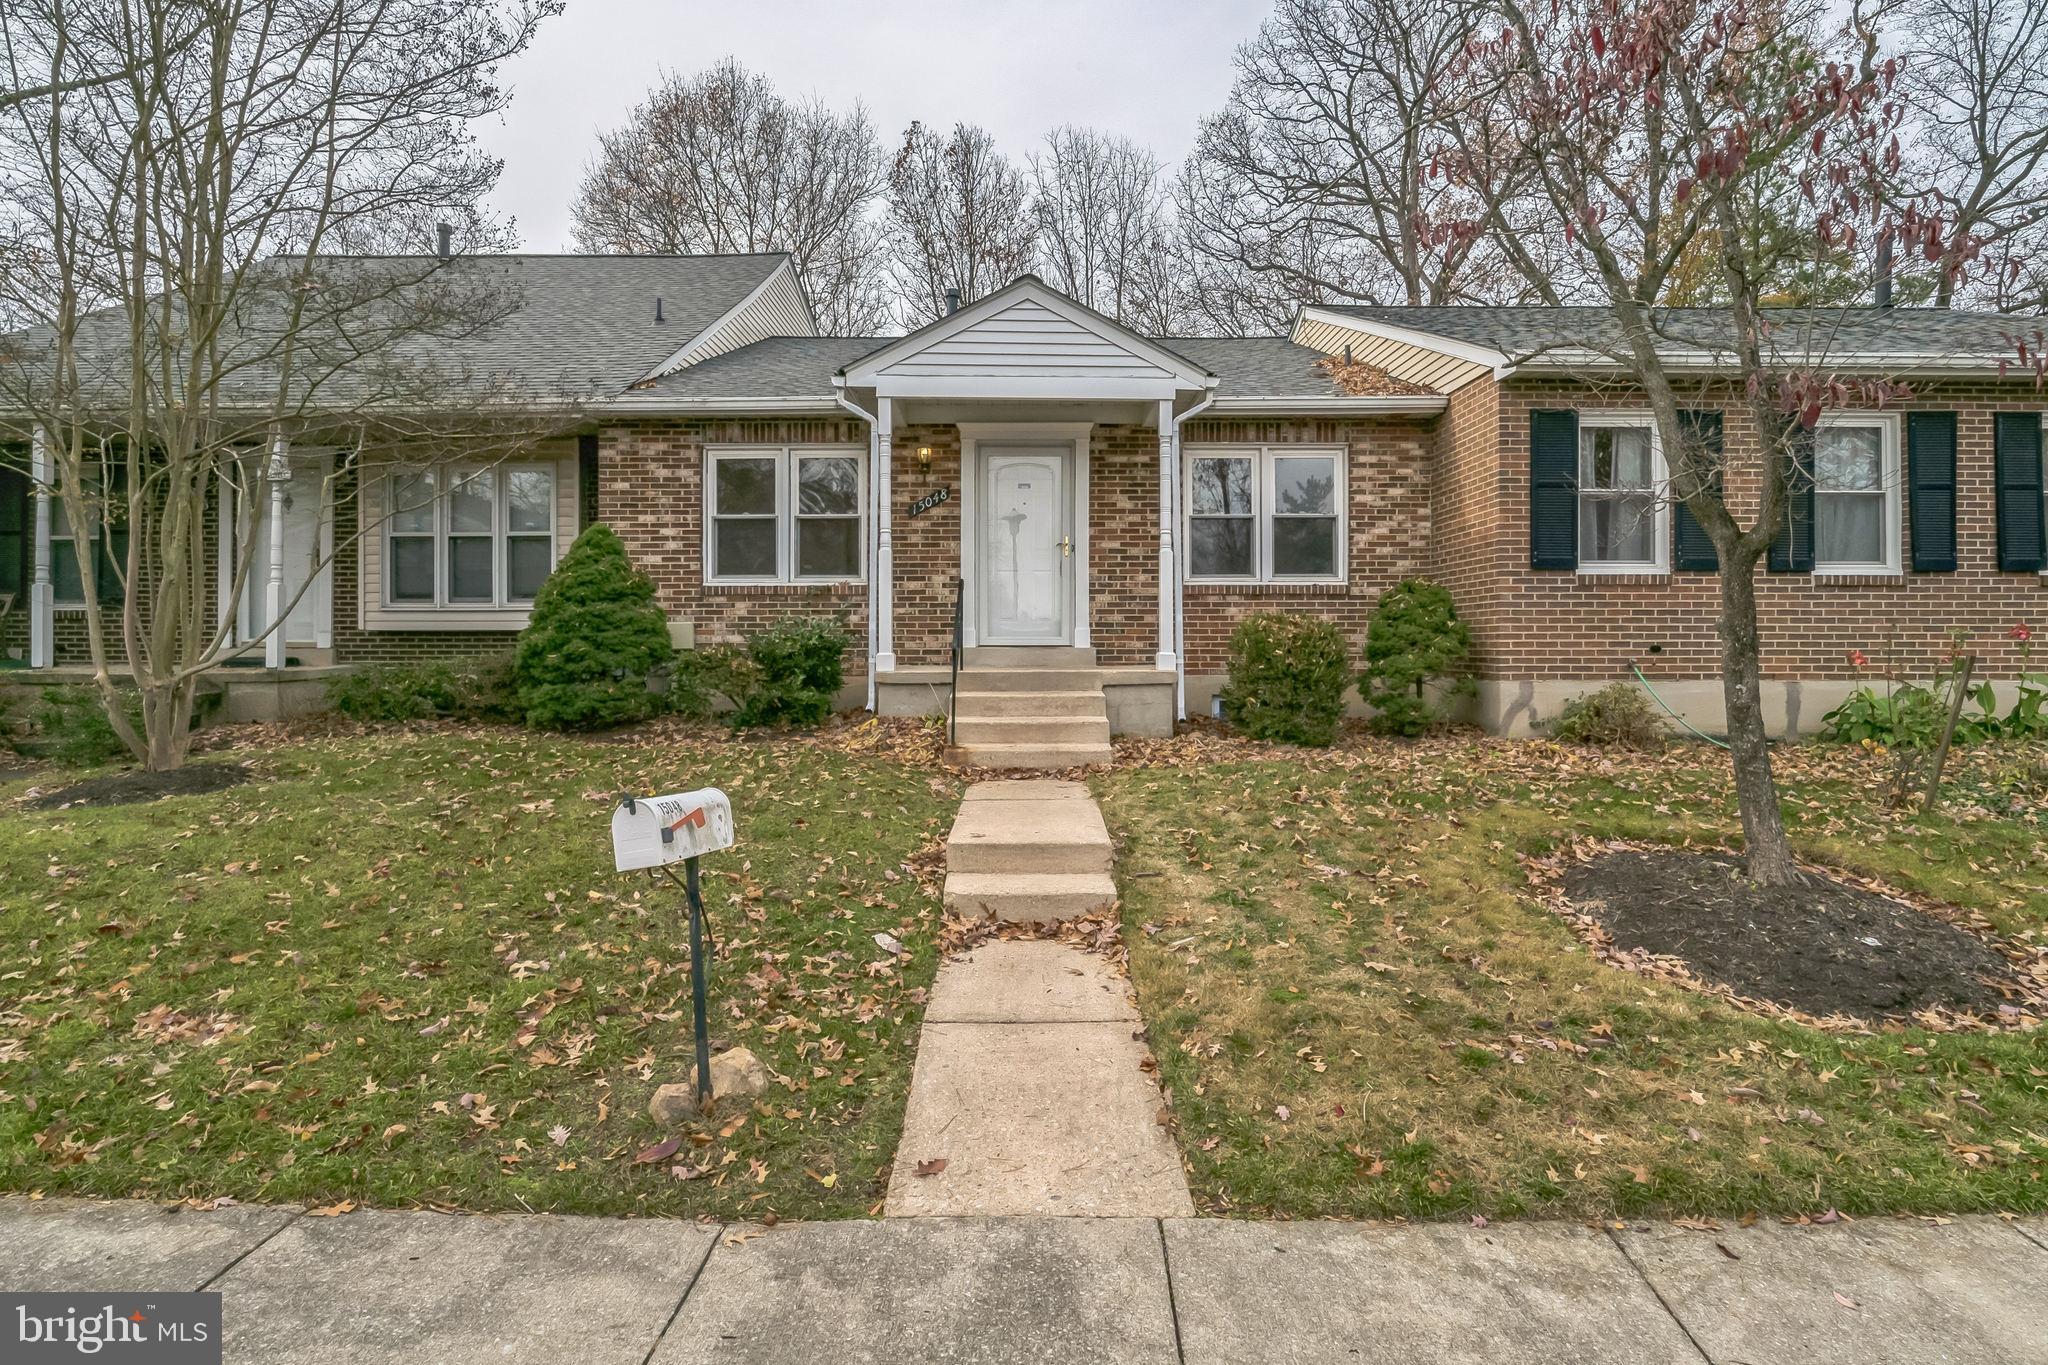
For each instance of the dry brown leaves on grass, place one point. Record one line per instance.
(1098, 932)
(2030, 966)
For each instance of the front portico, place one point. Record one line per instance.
(1024, 457)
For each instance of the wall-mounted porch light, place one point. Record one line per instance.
(924, 459)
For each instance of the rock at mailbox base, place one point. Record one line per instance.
(736, 1074)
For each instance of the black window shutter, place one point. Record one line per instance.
(1792, 550)
(14, 531)
(1931, 486)
(586, 479)
(1692, 549)
(1554, 489)
(2018, 459)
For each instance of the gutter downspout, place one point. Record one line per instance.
(1180, 562)
(874, 521)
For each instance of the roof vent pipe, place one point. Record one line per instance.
(1881, 291)
(952, 300)
(657, 309)
(446, 232)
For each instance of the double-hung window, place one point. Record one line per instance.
(1856, 495)
(1623, 524)
(1266, 514)
(469, 536)
(784, 514)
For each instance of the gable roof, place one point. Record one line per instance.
(1530, 334)
(1025, 340)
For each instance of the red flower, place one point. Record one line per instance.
(1857, 659)
(2021, 632)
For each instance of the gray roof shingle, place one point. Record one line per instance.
(1529, 330)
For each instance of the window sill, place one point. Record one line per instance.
(446, 618)
(1859, 578)
(1319, 587)
(809, 585)
(1607, 574)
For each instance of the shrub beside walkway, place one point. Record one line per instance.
(521, 1288)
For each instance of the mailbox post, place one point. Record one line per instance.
(655, 832)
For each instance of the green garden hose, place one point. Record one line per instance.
(1638, 670)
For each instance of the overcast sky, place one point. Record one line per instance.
(1145, 68)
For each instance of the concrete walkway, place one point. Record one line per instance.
(1033, 1092)
(378, 1287)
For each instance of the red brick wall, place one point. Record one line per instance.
(927, 546)
(1123, 545)
(651, 491)
(1389, 483)
(1555, 624)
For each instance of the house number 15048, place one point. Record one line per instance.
(930, 500)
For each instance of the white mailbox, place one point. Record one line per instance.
(648, 831)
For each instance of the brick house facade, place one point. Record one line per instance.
(1050, 470)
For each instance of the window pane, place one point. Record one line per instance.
(412, 501)
(1618, 530)
(469, 569)
(1614, 457)
(746, 486)
(470, 503)
(1848, 458)
(1305, 484)
(828, 547)
(1851, 528)
(64, 584)
(1220, 547)
(1221, 486)
(526, 566)
(1304, 547)
(412, 569)
(828, 485)
(745, 549)
(530, 499)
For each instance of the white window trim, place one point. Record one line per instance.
(1660, 494)
(447, 476)
(1889, 478)
(785, 515)
(1263, 458)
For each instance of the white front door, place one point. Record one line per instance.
(1026, 546)
(306, 621)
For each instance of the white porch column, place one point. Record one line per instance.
(41, 595)
(273, 586)
(1165, 659)
(884, 594)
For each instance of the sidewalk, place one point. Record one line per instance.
(388, 1286)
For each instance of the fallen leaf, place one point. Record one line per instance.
(931, 1167)
(660, 1151)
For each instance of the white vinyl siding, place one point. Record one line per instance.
(775, 309)
(1402, 359)
(1025, 338)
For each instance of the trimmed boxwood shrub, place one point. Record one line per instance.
(596, 643)
(788, 674)
(1287, 678)
(1414, 644)
(466, 689)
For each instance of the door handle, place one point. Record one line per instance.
(1066, 546)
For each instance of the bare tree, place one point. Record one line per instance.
(959, 218)
(1975, 88)
(719, 162)
(1644, 126)
(1102, 223)
(174, 237)
(1311, 183)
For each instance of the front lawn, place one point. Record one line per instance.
(1361, 1011)
(398, 969)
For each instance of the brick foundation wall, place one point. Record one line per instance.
(651, 491)
(1558, 625)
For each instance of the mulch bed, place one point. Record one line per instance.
(1838, 952)
(138, 785)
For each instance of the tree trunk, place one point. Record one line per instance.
(1768, 853)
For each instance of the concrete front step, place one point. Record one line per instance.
(1039, 897)
(1033, 755)
(966, 704)
(1031, 680)
(1028, 656)
(1061, 833)
(974, 731)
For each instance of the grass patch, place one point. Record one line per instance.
(398, 969)
(1360, 1012)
